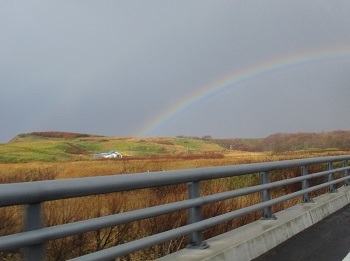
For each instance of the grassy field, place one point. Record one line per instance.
(65, 147)
(50, 149)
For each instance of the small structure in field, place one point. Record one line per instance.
(113, 154)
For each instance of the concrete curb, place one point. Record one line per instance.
(252, 240)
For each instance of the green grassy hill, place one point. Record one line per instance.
(66, 146)
(61, 146)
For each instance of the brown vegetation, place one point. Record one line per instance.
(71, 210)
(282, 142)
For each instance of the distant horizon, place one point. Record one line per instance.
(185, 136)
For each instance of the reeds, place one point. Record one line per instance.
(72, 210)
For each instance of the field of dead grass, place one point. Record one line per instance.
(70, 210)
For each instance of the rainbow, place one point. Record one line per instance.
(234, 78)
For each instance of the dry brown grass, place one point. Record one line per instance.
(71, 210)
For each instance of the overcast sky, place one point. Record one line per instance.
(127, 68)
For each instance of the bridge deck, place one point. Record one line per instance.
(327, 220)
(328, 239)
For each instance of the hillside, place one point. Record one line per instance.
(282, 142)
(64, 146)
(61, 146)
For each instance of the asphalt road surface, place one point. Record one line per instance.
(327, 240)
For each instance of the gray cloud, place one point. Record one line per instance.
(114, 67)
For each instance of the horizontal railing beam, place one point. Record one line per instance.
(51, 233)
(33, 192)
(139, 244)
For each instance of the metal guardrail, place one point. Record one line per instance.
(33, 194)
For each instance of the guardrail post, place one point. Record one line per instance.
(346, 173)
(331, 178)
(266, 196)
(195, 215)
(33, 221)
(305, 185)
